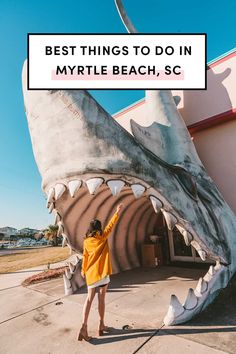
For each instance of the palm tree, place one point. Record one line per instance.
(51, 234)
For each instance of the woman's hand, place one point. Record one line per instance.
(82, 274)
(119, 207)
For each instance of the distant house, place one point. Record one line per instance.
(39, 235)
(10, 233)
(28, 231)
(7, 232)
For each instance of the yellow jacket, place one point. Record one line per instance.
(96, 258)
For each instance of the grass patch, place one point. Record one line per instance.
(43, 276)
(32, 258)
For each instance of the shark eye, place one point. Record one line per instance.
(187, 182)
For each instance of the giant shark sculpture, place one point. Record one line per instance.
(88, 163)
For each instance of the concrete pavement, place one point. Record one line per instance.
(39, 319)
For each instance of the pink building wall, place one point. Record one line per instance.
(211, 119)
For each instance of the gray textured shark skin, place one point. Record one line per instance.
(73, 136)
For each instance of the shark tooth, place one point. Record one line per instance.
(211, 270)
(70, 248)
(64, 240)
(67, 285)
(60, 229)
(191, 300)
(138, 190)
(171, 220)
(77, 259)
(93, 184)
(68, 274)
(74, 263)
(72, 267)
(202, 254)
(201, 286)
(115, 186)
(218, 266)
(58, 218)
(59, 190)
(51, 195)
(207, 277)
(175, 309)
(186, 235)
(67, 282)
(74, 186)
(156, 203)
(51, 207)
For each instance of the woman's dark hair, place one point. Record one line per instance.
(94, 227)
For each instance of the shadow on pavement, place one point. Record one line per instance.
(116, 335)
(136, 278)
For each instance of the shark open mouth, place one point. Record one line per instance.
(76, 201)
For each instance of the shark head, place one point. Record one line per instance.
(89, 163)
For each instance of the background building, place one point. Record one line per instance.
(211, 119)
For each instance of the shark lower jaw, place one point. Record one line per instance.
(75, 201)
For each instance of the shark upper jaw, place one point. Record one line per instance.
(76, 143)
(91, 182)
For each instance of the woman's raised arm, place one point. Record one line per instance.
(112, 221)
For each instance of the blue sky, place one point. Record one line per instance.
(22, 202)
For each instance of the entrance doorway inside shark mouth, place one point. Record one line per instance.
(136, 223)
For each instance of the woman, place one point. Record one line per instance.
(96, 267)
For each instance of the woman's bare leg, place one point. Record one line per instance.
(87, 305)
(101, 305)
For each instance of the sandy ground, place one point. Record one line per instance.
(20, 259)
